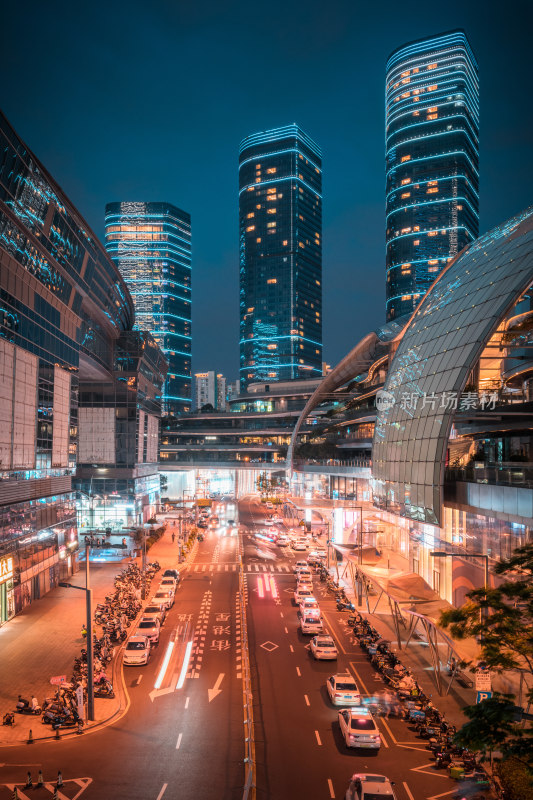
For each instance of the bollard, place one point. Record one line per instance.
(57, 736)
(30, 737)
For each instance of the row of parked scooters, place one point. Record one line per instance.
(114, 616)
(405, 698)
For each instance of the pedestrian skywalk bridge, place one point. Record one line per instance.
(218, 567)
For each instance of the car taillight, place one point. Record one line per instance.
(337, 694)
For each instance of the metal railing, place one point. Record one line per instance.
(249, 791)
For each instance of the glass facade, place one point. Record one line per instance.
(280, 256)
(436, 354)
(432, 155)
(62, 304)
(151, 245)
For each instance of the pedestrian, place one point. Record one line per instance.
(29, 782)
(59, 781)
(173, 537)
(98, 542)
(40, 779)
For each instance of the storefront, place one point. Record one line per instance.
(7, 598)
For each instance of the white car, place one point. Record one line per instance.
(359, 729)
(299, 566)
(163, 597)
(298, 545)
(302, 593)
(370, 787)
(268, 522)
(283, 540)
(323, 648)
(343, 690)
(149, 627)
(311, 625)
(277, 520)
(304, 576)
(168, 585)
(155, 611)
(137, 651)
(310, 606)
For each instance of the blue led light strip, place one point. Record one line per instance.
(278, 153)
(276, 338)
(440, 178)
(421, 233)
(429, 158)
(280, 180)
(432, 202)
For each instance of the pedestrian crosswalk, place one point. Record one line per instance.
(217, 567)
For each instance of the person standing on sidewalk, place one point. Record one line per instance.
(173, 537)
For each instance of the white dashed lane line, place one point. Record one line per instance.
(298, 672)
(318, 739)
(306, 700)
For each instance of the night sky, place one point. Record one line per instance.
(149, 101)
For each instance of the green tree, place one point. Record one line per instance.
(501, 618)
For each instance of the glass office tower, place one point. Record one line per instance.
(432, 154)
(151, 245)
(280, 239)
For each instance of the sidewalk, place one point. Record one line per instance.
(43, 640)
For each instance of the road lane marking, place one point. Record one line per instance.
(335, 636)
(187, 702)
(292, 648)
(307, 700)
(139, 679)
(384, 741)
(408, 791)
(281, 614)
(352, 664)
(330, 787)
(298, 672)
(162, 792)
(179, 741)
(318, 740)
(392, 736)
(286, 629)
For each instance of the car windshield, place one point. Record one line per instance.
(312, 621)
(163, 595)
(147, 624)
(152, 610)
(346, 686)
(304, 593)
(362, 724)
(136, 646)
(325, 643)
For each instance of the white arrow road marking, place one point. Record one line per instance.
(159, 692)
(212, 693)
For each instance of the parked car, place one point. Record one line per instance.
(172, 573)
(302, 593)
(149, 627)
(164, 597)
(155, 611)
(137, 651)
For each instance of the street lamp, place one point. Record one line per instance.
(88, 625)
(484, 556)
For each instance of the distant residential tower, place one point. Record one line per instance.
(151, 245)
(432, 129)
(280, 239)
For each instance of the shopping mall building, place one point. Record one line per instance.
(80, 391)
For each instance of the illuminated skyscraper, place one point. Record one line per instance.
(280, 230)
(151, 245)
(432, 130)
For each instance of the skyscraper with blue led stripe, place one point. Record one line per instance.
(280, 247)
(432, 162)
(151, 245)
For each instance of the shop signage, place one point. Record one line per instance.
(6, 568)
(57, 680)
